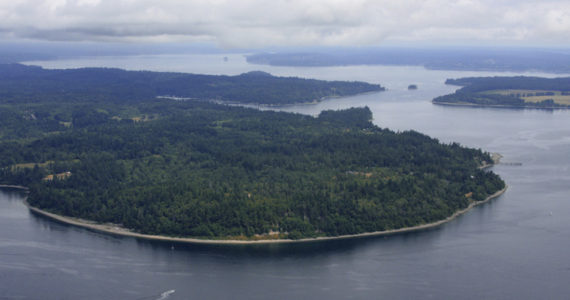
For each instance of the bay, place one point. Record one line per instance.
(513, 247)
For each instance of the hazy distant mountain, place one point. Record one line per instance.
(477, 59)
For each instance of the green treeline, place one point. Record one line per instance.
(475, 91)
(479, 84)
(19, 83)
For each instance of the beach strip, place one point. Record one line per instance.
(120, 231)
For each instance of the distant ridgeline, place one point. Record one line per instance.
(33, 84)
(200, 169)
(520, 91)
(476, 59)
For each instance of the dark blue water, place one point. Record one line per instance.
(515, 247)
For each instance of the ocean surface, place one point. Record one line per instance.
(514, 247)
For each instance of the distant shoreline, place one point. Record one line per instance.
(496, 157)
(9, 186)
(114, 229)
(496, 105)
(270, 105)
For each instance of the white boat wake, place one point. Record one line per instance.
(166, 294)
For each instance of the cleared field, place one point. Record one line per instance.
(561, 99)
(137, 118)
(31, 165)
(534, 95)
(40, 165)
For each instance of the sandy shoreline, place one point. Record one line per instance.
(495, 157)
(269, 105)
(9, 186)
(117, 230)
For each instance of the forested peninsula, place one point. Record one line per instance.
(209, 171)
(34, 84)
(513, 92)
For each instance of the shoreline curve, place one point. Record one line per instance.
(464, 104)
(114, 229)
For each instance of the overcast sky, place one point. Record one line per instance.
(271, 23)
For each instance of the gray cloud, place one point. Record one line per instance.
(251, 23)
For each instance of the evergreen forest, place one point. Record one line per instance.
(201, 169)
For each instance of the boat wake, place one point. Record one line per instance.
(166, 294)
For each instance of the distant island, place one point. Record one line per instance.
(513, 92)
(472, 59)
(412, 87)
(201, 170)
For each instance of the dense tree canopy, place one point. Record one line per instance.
(213, 171)
(195, 168)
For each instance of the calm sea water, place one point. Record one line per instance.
(515, 247)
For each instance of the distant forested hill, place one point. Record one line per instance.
(19, 83)
(476, 59)
(520, 91)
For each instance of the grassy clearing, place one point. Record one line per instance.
(40, 165)
(560, 99)
(510, 91)
(31, 165)
(138, 118)
(534, 96)
(144, 118)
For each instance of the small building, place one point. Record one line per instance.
(59, 176)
